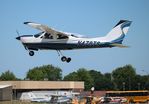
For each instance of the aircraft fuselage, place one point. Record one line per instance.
(33, 43)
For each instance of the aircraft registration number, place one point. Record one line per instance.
(88, 42)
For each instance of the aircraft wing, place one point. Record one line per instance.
(45, 28)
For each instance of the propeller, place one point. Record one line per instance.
(18, 38)
(18, 32)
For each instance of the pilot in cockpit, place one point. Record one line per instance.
(48, 36)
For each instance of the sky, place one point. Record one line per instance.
(92, 18)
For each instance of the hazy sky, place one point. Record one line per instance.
(87, 17)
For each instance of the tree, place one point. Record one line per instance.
(101, 82)
(71, 77)
(97, 79)
(124, 75)
(92, 78)
(35, 74)
(45, 72)
(8, 76)
(144, 82)
(81, 75)
(108, 82)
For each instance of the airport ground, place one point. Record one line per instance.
(17, 102)
(21, 102)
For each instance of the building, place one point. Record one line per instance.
(5, 92)
(18, 87)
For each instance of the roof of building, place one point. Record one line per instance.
(44, 84)
(4, 86)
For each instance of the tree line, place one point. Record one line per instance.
(121, 78)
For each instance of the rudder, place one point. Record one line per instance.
(117, 34)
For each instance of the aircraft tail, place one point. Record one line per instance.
(117, 34)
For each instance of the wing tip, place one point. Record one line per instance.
(27, 22)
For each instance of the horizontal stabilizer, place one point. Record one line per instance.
(119, 45)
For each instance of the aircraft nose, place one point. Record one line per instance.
(18, 38)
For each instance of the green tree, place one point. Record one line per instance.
(81, 75)
(144, 82)
(101, 82)
(71, 77)
(45, 72)
(7, 76)
(35, 74)
(108, 82)
(124, 75)
(97, 79)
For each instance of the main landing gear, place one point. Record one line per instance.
(63, 58)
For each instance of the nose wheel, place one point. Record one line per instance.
(63, 58)
(31, 53)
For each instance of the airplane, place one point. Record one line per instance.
(52, 39)
(42, 99)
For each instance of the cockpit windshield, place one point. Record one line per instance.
(74, 36)
(37, 35)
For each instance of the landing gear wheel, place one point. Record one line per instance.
(64, 59)
(68, 60)
(31, 53)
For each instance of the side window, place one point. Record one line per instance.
(48, 36)
(61, 36)
(38, 35)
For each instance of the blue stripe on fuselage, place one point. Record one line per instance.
(119, 40)
(27, 36)
(64, 46)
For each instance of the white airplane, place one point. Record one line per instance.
(34, 98)
(52, 39)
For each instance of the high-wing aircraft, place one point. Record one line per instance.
(50, 38)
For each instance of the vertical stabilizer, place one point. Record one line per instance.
(117, 34)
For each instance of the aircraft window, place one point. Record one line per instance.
(37, 35)
(60, 36)
(48, 36)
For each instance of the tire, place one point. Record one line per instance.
(68, 59)
(63, 59)
(31, 53)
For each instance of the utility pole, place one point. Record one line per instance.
(123, 86)
(139, 86)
